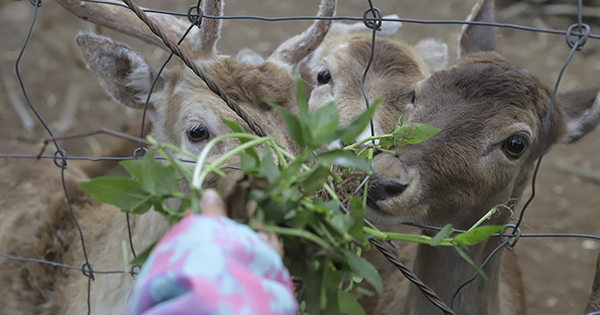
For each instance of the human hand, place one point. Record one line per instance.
(212, 203)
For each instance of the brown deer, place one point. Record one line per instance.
(346, 44)
(183, 111)
(338, 64)
(491, 116)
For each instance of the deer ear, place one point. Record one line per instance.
(582, 108)
(387, 28)
(249, 57)
(478, 38)
(122, 72)
(434, 53)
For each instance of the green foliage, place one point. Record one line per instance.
(322, 237)
(348, 304)
(409, 134)
(143, 256)
(122, 192)
(477, 235)
(443, 234)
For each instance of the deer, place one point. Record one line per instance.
(183, 111)
(491, 116)
(327, 82)
(336, 68)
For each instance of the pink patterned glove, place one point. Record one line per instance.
(209, 264)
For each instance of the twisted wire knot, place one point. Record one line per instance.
(376, 21)
(132, 270)
(582, 38)
(88, 270)
(196, 18)
(36, 2)
(138, 150)
(510, 244)
(62, 155)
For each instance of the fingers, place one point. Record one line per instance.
(212, 203)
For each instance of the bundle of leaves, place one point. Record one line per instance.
(310, 200)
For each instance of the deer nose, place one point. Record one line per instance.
(381, 189)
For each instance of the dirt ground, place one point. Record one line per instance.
(558, 272)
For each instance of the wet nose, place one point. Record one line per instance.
(381, 189)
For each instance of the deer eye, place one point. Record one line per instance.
(197, 133)
(324, 77)
(515, 145)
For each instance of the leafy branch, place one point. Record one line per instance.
(295, 196)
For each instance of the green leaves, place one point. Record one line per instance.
(154, 183)
(155, 178)
(350, 132)
(364, 268)
(268, 168)
(473, 237)
(322, 123)
(143, 256)
(298, 197)
(348, 304)
(122, 192)
(321, 127)
(237, 129)
(443, 234)
(344, 158)
(472, 263)
(477, 235)
(409, 134)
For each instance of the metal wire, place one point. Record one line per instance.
(427, 291)
(37, 4)
(545, 132)
(141, 148)
(477, 273)
(358, 19)
(46, 262)
(89, 273)
(85, 158)
(375, 26)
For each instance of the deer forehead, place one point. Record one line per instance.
(494, 98)
(351, 53)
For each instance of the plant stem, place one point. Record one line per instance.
(354, 145)
(422, 239)
(485, 217)
(298, 233)
(199, 174)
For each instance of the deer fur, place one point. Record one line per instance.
(481, 104)
(395, 69)
(180, 101)
(348, 45)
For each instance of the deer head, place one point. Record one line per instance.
(184, 112)
(337, 68)
(491, 117)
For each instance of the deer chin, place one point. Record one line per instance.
(381, 212)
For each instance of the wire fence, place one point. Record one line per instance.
(576, 37)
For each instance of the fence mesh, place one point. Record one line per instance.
(576, 37)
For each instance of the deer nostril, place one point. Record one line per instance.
(382, 189)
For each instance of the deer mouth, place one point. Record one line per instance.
(372, 205)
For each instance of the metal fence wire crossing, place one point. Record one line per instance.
(576, 37)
